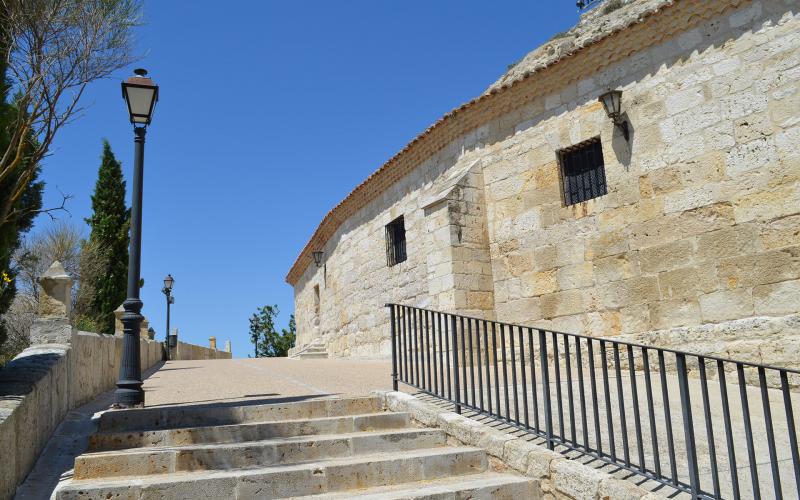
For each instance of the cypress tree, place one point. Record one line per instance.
(109, 236)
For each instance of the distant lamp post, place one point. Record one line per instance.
(167, 290)
(141, 95)
(317, 257)
(612, 102)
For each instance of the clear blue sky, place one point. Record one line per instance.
(270, 113)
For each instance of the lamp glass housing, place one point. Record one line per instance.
(317, 257)
(168, 282)
(141, 95)
(611, 102)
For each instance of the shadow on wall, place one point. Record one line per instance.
(623, 149)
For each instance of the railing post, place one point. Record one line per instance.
(394, 346)
(548, 414)
(688, 426)
(456, 382)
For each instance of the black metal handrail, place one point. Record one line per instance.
(467, 360)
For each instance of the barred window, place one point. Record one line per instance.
(584, 173)
(396, 241)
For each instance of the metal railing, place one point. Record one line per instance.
(559, 387)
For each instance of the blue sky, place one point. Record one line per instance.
(270, 113)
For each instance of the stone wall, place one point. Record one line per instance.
(45, 381)
(190, 351)
(700, 225)
(700, 229)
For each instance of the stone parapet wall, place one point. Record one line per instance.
(45, 381)
(190, 351)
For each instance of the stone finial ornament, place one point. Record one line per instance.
(118, 312)
(212, 343)
(52, 325)
(55, 293)
(143, 326)
(227, 346)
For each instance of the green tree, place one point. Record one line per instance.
(267, 341)
(287, 337)
(53, 50)
(104, 288)
(23, 210)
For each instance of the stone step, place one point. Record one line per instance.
(484, 486)
(163, 460)
(240, 433)
(142, 419)
(281, 481)
(312, 355)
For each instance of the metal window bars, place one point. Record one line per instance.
(704, 425)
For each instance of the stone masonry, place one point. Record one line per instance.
(61, 370)
(696, 244)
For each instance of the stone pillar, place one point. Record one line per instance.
(212, 343)
(55, 293)
(51, 325)
(227, 346)
(143, 327)
(118, 312)
(173, 351)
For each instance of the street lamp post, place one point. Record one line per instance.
(141, 95)
(168, 282)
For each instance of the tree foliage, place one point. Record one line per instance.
(267, 341)
(104, 261)
(55, 48)
(21, 210)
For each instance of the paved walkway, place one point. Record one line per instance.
(263, 380)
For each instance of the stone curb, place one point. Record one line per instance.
(556, 475)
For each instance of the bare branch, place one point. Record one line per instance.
(55, 49)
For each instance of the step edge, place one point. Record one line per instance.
(171, 477)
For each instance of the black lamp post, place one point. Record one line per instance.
(168, 282)
(141, 95)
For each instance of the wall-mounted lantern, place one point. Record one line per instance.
(317, 257)
(612, 102)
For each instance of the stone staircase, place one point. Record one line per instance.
(314, 350)
(316, 449)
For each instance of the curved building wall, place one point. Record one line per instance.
(696, 242)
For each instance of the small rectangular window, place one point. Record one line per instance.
(583, 171)
(396, 241)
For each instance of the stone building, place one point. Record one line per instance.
(529, 205)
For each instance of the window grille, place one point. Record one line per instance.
(583, 171)
(396, 241)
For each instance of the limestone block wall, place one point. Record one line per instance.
(699, 232)
(700, 224)
(190, 351)
(355, 281)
